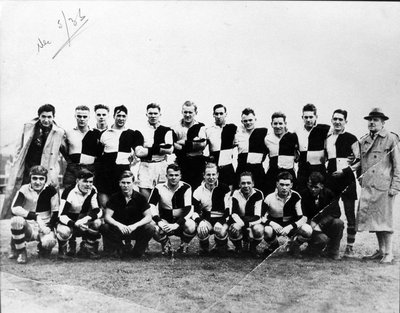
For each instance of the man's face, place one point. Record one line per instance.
(314, 189)
(278, 124)
(126, 185)
(188, 113)
(219, 116)
(120, 118)
(153, 115)
(85, 185)
(101, 116)
(309, 119)
(338, 122)
(249, 121)
(46, 119)
(82, 118)
(246, 184)
(173, 177)
(38, 182)
(284, 186)
(375, 124)
(210, 175)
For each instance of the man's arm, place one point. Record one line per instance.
(124, 229)
(145, 220)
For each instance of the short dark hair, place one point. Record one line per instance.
(248, 111)
(38, 170)
(284, 175)
(340, 111)
(120, 108)
(84, 174)
(47, 108)
(278, 115)
(247, 173)
(174, 167)
(153, 106)
(310, 107)
(126, 174)
(316, 178)
(82, 107)
(101, 106)
(218, 106)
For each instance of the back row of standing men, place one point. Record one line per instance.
(108, 152)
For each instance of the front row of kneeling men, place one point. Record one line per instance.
(243, 215)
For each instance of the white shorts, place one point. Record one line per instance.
(150, 174)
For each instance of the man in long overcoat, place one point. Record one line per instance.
(39, 144)
(380, 182)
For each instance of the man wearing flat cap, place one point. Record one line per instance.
(380, 182)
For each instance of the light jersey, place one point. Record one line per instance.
(251, 147)
(158, 135)
(339, 147)
(282, 150)
(221, 143)
(75, 205)
(288, 209)
(173, 206)
(39, 203)
(311, 144)
(82, 148)
(211, 203)
(188, 133)
(248, 209)
(119, 144)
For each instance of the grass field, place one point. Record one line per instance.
(200, 284)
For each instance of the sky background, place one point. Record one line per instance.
(271, 56)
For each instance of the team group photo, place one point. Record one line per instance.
(246, 196)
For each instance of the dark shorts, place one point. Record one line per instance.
(107, 180)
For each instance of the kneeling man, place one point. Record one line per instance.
(35, 211)
(284, 216)
(80, 217)
(127, 218)
(171, 205)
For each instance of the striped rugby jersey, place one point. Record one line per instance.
(282, 150)
(82, 148)
(155, 136)
(339, 148)
(282, 210)
(211, 203)
(221, 143)
(118, 145)
(173, 206)
(249, 210)
(188, 134)
(311, 144)
(252, 147)
(75, 205)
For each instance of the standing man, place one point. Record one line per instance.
(118, 145)
(211, 211)
(102, 112)
(311, 146)
(321, 207)
(171, 206)
(158, 143)
(284, 216)
(189, 144)
(39, 145)
(221, 138)
(35, 213)
(343, 154)
(245, 215)
(127, 218)
(81, 145)
(380, 183)
(252, 150)
(282, 148)
(80, 217)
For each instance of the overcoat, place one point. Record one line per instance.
(49, 160)
(380, 172)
